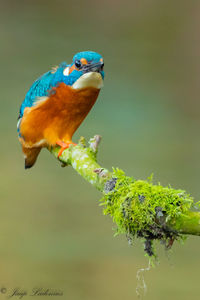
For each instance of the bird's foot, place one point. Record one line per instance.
(64, 145)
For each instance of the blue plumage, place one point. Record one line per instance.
(88, 55)
(58, 102)
(44, 84)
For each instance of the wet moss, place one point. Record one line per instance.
(142, 209)
(139, 208)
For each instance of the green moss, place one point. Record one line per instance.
(138, 207)
(141, 209)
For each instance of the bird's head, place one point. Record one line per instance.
(86, 70)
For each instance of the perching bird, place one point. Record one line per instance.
(57, 103)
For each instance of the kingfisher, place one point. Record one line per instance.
(57, 103)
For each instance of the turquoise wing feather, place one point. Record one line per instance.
(41, 87)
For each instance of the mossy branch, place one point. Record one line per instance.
(138, 207)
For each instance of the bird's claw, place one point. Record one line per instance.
(64, 145)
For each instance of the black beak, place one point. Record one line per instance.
(96, 67)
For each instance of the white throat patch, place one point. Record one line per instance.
(90, 79)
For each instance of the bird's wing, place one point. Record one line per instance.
(40, 89)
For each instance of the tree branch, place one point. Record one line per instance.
(138, 207)
(84, 161)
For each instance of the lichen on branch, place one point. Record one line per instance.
(138, 207)
(141, 209)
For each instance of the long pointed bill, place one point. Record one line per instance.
(96, 67)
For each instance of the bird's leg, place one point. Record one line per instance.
(64, 145)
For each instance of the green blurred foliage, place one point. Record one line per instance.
(53, 233)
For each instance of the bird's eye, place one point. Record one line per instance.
(78, 63)
(102, 65)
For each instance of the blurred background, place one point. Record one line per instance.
(52, 231)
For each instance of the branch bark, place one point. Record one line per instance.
(84, 161)
(139, 208)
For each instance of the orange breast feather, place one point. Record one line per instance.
(58, 117)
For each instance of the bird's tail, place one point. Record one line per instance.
(30, 155)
